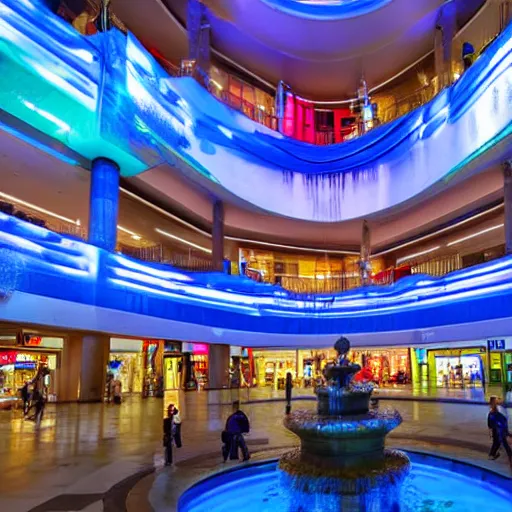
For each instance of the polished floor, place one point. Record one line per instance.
(82, 452)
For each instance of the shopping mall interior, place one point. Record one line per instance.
(252, 205)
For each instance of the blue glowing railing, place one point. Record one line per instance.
(38, 262)
(105, 95)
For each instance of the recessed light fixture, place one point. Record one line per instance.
(36, 208)
(183, 241)
(131, 233)
(478, 233)
(415, 255)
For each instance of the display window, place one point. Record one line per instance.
(127, 368)
(173, 371)
(459, 371)
(271, 367)
(18, 367)
(152, 356)
(391, 366)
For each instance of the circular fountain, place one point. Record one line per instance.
(342, 444)
(342, 465)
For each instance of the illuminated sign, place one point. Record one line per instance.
(496, 344)
(7, 357)
(25, 358)
(32, 341)
(197, 349)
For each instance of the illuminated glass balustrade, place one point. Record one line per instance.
(105, 95)
(52, 279)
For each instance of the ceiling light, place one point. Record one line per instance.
(214, 82)
(478, 233)
(439, 231)
(183, 241)
(128, 232)
(293, 247)
(38, 208)
(412, 256)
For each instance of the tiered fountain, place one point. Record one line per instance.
(342, 465)
(342, 445)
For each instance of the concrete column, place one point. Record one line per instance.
(505, 13)
(93, 371)
(364, 262)
(218, 236)
(104, 204)
(507, 193)
(83, 368)
(198, 28)
(443, 43)
(218, 366)
(69, 371)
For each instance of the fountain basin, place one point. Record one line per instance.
(342, 442)
(433, 484)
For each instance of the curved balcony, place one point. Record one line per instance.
(50, 279)
(106, 96)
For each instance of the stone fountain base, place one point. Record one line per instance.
(353, 481)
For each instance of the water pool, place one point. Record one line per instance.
(434, 484)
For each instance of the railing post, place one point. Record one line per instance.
(104, 22)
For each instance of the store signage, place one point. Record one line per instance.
(7, 357)
(25, 358)
(32, 341)
(172, 346)
(195, 348)
(496, 344)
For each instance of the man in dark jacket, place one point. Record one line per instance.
(168, 434)
(498, 426)
(236, 425)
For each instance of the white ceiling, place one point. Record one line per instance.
(319, 59)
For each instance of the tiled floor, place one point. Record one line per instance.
(82, 451)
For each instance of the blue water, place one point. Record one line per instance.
(433, 485)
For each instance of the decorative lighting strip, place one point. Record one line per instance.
(183, 241)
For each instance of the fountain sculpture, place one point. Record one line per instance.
(342, 445)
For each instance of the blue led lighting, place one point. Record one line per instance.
(327, 10)
(106, 96)
(59, 267)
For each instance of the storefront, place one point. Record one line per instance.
(195, 360)
(24, 357)
(388, 366)
(126, 364)
(153, 368)
(173, 366)
(500, 362)
(457, 367)
(311, 364)
(271, 367)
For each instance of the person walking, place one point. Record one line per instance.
(176, 430)
(233, 436)
(25, 397)
(168, 435)
(498, 429)
(117, 391)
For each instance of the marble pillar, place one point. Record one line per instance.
(104, 204)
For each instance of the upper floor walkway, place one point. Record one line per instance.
(105, 96)
(52, 280)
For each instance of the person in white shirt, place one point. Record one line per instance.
(176, 420)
